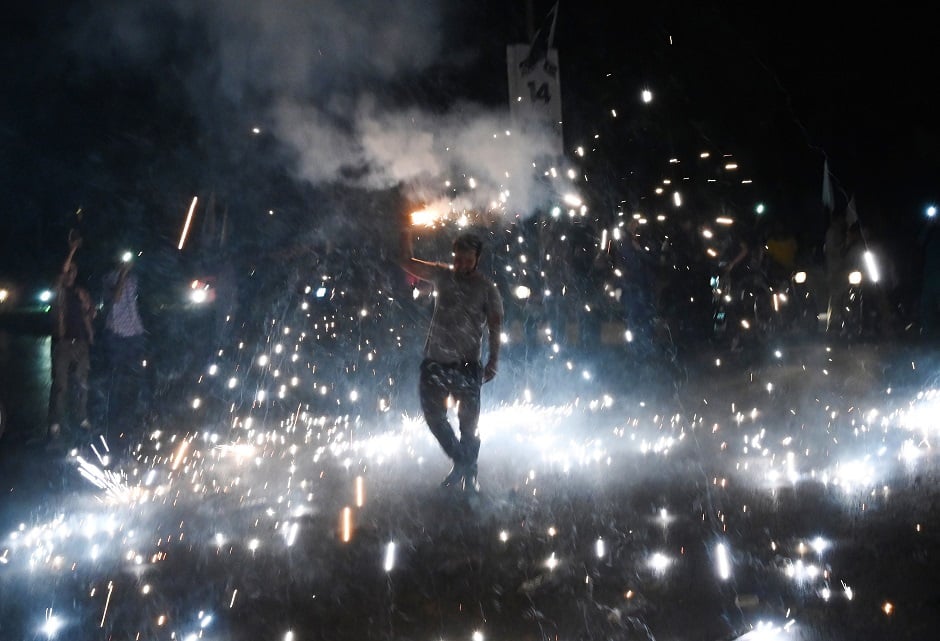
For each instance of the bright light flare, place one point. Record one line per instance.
(659, 562)
(52, 625)
(722, 562)
(199, 292)
(855, 474)
(346, 525)
(767, 631)
(289, 531)
(871, 266)
(572, 200)
(425, 218)
(360, 491)
(819, 545)
(389, 557)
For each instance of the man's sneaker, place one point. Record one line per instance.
(85, 424)
(55, 430)
(455, 477)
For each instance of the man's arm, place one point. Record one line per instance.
(88, 314)
(494, 326)
(418, 268)
(118, 291)
(74, 243)
(58, 307)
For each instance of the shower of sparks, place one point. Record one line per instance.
(281, 441)
(176, 471)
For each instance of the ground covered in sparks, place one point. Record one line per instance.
(764, 494)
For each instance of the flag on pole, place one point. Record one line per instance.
(535, 85)
(541, 42)
(828, 200)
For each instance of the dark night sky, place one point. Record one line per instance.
(127, 110)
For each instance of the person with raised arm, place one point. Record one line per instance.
(467, 304)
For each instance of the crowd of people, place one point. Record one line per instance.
(646, 276)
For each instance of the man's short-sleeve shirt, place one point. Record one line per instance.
(461, 308)
(124, 318)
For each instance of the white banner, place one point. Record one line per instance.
(535, 92)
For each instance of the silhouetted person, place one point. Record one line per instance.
(466, 304)
(125, 343)
(72, 337)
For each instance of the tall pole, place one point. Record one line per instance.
(529, 20)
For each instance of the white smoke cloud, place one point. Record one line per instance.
(423, 152)
(323, 148)
(469, 152)
(315, 71)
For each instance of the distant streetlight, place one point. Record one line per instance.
(931, 211)
(759, 209)
(647, 96)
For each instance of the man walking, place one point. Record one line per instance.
(466, 303)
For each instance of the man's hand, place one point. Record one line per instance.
(75, 239)
(489, 371)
